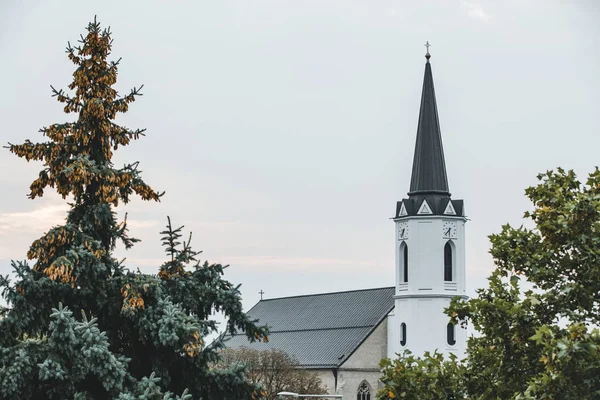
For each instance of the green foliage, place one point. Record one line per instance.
(73, 358)
(426, 378)
(501, 357)
(146, 337)
(571, 360)
(538, 343)
(561, 256)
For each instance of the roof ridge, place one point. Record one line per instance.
(320, 329)
(325, 294)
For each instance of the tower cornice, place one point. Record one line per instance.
(430, 296)
(449, 217)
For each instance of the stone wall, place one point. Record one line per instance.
(371, 351)
(349, 381)
(327, 378)
(362, 365)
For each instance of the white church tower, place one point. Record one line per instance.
(430, 247)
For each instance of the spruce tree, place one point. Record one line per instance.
(78, 323)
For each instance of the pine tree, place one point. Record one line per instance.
(145, 334)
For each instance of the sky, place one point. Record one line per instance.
(283, 131)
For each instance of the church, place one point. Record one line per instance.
(343, 335)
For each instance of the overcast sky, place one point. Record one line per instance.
(283, 131)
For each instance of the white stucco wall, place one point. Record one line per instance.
(420, 303)
(425, 327)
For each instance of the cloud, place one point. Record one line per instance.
(44, 217)
(141, 224)
(263, 262)
(37, 220)
(19, 229)
(295, 262)
(475, 11)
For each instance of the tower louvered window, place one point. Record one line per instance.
(450, 334)
(364, 391)
(404, 250)
(448, 262)
(403, 334)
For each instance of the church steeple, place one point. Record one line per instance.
(429, 167)
(430, 247)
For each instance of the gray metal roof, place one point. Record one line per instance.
(429, 167)
(321, 330)
(437, 204)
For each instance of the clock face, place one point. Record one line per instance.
(403, 230)
(449, 229)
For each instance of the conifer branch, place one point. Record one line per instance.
(149, 321)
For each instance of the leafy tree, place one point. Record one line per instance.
(571, 360)
(539, 343)
(146, 333)
(274, 370)
(501, 358)
(426, 378)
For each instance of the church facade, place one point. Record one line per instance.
(343, 335)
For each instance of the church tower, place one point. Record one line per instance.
(430, 246)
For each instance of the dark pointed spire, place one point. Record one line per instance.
(429, 167)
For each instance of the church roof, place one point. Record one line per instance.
(438, 205)
(320, 330)
(429, 166)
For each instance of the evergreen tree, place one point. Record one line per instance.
(145, 334)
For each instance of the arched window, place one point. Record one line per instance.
(404, 261)
(364, 391)
(450, 334)
(403, 334)
(448, 262)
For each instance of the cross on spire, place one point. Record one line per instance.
(261, 294)
(429, 167)
(427, 56)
